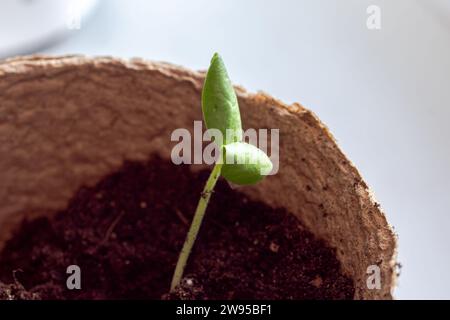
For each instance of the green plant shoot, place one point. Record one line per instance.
(239, 162)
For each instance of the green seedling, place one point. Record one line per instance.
(239, 162)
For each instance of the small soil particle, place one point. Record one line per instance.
(317, 282)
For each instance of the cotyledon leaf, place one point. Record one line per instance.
(219, 102)
(244, 163)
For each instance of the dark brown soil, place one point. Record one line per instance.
(126, 233)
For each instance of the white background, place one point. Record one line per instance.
(384, 94)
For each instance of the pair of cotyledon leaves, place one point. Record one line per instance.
(243, 163)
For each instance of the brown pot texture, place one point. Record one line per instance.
(66, 122)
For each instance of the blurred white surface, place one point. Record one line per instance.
(31, 24)
(384, 94)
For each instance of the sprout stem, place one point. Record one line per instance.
(195, 226)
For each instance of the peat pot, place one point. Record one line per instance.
(68, 122)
